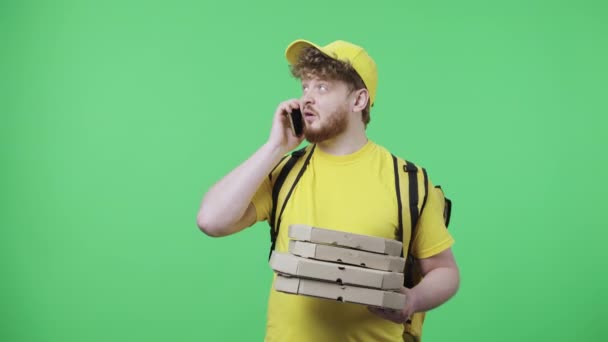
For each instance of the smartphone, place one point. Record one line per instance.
(297, 122)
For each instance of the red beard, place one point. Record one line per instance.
(334, 125)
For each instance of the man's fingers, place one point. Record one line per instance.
(391, 315)
(289, 106)
(376, 310)
(286, 109)
(294, 105)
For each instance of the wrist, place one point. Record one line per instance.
(274, 150)
(412, 299)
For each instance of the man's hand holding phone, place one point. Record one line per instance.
(287, 126)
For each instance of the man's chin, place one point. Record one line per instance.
(312, 139)
(315, 137)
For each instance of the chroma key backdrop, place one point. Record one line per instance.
(117, 116)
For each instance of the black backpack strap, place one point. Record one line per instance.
(275, 167)
(275, 223)
(426, 189)
(412, 175)
(412, 271)
(399, 233)
(278, 184)
(447, 209)
(414, 210)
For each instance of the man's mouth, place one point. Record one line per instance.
(308, 113)
(309, 116)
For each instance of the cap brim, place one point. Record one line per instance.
(295, 48)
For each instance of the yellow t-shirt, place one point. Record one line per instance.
(354, 193)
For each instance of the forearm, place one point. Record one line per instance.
(226, 202)
(437, 287)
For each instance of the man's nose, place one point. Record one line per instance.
(306, 100)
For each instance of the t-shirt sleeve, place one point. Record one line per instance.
(262, 200)
(432, 236)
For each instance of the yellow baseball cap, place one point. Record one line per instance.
(343, 51)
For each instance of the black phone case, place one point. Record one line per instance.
(297, 122)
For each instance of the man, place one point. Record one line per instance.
(348, 185)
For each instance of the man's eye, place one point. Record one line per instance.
(323, 87)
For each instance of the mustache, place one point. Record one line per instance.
(310, 110)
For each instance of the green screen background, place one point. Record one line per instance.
(117, 116)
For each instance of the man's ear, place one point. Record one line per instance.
(360, 100)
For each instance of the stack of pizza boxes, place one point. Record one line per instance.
(342, 266)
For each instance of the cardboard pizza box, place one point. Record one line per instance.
(343, 293)
(374, 244)
(347, 256)
(290, 264)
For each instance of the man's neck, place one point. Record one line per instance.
(348, 142)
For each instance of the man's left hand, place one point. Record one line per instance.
(398, 316)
